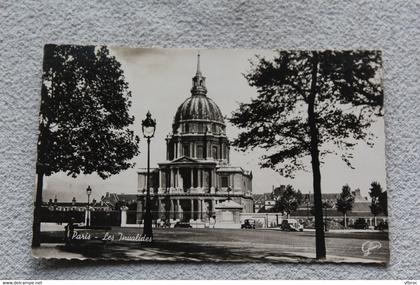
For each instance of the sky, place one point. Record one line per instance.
(161, 79)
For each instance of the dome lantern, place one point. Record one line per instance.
(198, 81)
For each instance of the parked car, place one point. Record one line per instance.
(182, 225)
(382, 226)
(291, 225)
(248, 224)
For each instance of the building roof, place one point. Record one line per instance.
(233, 169)
(198, 108)
(228, 204)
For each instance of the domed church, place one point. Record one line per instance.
(196, 176)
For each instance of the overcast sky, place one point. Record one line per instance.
(160, 80)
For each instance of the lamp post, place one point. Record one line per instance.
(228, 192)
(308, 204)
(88, 192)
(148, 128)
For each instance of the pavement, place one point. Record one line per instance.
(227, 245)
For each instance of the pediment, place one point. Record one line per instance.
(184, 159)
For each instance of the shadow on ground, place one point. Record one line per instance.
(181, 252)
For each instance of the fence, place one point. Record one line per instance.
(108, 218)
(59, 217)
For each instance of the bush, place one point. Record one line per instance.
(382, 226)
(334, 225)
(360, 224)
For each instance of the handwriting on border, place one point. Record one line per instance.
(369, 245)
(111, 237)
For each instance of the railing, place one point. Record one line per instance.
(53, 216)
(134, 217)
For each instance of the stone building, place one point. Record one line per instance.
(196, 174)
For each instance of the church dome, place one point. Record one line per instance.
(198, 113)
(199, 107)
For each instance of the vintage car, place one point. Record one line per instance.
(182, 225)
(248, 224)
(291, 225)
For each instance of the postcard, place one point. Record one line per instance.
(211, 155)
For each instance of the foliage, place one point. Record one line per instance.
(348, 94)
(84, 115)
(379, 202)
(383, 202)
(309, 101)
(360, 224)
(345, 201)
(289, 201)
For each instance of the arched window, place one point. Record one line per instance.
(186, 149)
(200, 152)
(214, 152)
(213, 128)
(225, 181)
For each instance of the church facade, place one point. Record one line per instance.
(196, 175)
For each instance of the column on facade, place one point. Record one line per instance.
(220, 148)
(180, 180)
(160, 180)
(167, 148)
(228, 154)
(172, 209)
(192, 209)
(159, 209)
(200, 209)
(213, 178)
(199, 175)
(231, 178)
(177, 209)
(179, 147)
(191, 150)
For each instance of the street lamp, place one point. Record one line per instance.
(228, 191)
(88, 192)
(148, 127)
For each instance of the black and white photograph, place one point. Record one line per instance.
(211, 155)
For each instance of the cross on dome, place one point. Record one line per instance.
(199, 81)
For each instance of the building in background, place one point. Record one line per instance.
(264, 204)
(196, 174)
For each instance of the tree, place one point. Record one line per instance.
(345, 202)
(375, 193)
(306, 102)
(383, 202)
(289, 201)
(84, 119)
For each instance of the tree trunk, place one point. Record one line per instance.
(36, 227)
(319, 224)
(345, 221)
